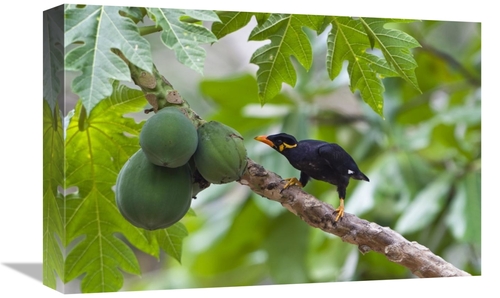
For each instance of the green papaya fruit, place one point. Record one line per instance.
(150, 196)
(221, 155)
(168, 138)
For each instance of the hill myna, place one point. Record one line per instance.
(319, 160)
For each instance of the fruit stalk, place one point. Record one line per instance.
(158, 91)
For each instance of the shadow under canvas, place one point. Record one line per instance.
(33, 270)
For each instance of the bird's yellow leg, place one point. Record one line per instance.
(291, 181)
(340, 210)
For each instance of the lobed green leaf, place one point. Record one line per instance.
(53, 35)
(170, 239)
(53, 177)
(395, 46)
(96, 148)
(202, 15)
(287, 39)
(99, 29)
(347, 40)
(350, 39)
(183, 37)
(231, 21)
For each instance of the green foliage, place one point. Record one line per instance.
(182, 37)
(97, 146)
(287, 39)
(231, 108)
(466, 203)
(395, 46)
(232, 21)
(100, 29)
(96, 30)
(286, 231)
(170, 239)
(425, 206)
(226, 262)
(53, 35)
(350, 39)
(53, 176)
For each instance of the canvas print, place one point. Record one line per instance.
(200, 148)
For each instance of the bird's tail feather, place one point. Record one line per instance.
(361, 176)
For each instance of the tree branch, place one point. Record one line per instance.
(366, 235)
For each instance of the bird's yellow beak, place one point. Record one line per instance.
(264, 140)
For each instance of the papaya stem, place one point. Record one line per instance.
(158, 90)
(149, 29)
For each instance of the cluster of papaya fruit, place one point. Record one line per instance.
(155, 186)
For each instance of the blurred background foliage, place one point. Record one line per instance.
(423, 160)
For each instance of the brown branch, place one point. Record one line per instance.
(368, 236)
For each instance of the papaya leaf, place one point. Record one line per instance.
(100, 29)
(97, 148)
(53, 35)
(287, 38)
(53, 173)
(170, 239)
(350, 39)
(202, 15)
(135, 13)
(231, 21)
(379, 65)
(395, 46)
(183, 37)
(347, 40)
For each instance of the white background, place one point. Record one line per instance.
(21, 145)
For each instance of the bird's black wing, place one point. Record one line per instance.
(337, 158)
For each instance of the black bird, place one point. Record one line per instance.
(318, 160)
